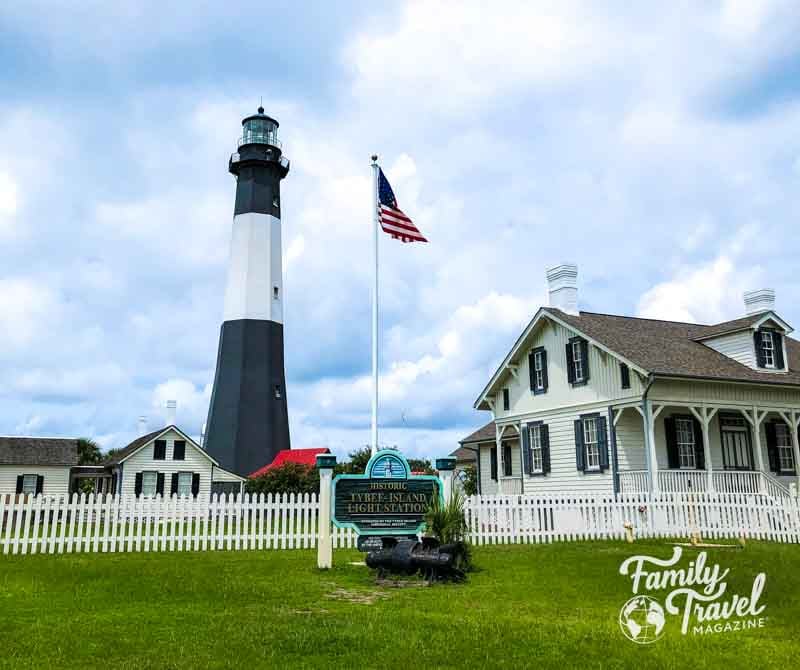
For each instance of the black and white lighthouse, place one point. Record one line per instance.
(247, 420)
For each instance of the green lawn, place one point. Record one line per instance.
(546, 606)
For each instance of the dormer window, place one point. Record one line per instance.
(769, 349)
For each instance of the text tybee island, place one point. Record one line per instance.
(386, 498)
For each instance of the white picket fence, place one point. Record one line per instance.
(107, 524)
(528, 519)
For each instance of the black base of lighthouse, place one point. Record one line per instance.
(248, 423)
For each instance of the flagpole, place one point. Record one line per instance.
(375, 306)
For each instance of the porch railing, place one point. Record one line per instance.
(511, 486)
(696, 481)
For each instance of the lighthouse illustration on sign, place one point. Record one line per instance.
(248, 422)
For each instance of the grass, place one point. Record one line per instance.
(545, 606)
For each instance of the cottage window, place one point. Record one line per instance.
(537, 462)
(767, 349)
(506, 400)
(577, 360)
(29, 484)
(686, 447)
(507, 469)
(538, 369)
(591, 442)
(184, 484)
(149, 482)
(783, 441)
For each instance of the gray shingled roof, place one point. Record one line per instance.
(669, 348)
(483, 434)
(38, 451)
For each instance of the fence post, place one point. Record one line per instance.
(446, 467)
(325, 464)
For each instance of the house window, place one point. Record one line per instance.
(507, 470)
(625, 375)
(184, 484)
(29, 485)
(686, 447)
(538, 370)
(506, 400)
(179, 450)
(783, 441)
(577, 360)
(537, 461)
(591, 443)
(768, 349)
(160, 450)
(149, 482)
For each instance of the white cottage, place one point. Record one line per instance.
(603, 403)
(167, 462)
(34, 465)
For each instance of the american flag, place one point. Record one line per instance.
(392, 218)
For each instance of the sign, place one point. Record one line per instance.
(386, 499)
(368, 543)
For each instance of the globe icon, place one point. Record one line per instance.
(642, 619)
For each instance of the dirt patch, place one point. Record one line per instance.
(358, 597)
(401, 583)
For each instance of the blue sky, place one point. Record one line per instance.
(658, 150)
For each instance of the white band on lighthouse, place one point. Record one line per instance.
(255, 284)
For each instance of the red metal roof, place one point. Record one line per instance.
(301, 456)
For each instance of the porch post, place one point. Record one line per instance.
(757, 418)
(704, 417)
(650, 444)
(497, 442)
(795, 446)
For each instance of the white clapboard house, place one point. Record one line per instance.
(587, 402)
(36, 465)
(168, 462)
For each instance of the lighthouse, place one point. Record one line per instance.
(248, 423)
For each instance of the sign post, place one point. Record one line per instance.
(446, 467)
(325, 464)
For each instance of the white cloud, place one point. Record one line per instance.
(28, 310)
(8, 203)
(192, 402)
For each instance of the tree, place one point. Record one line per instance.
(421, 465)
(357, 465)
(469, 480)
(88, 452)
(286, 478)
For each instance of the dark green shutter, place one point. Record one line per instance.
(174, 485)
(699, 452)
(532, 370)
(585, 359)
(570, 365)
(602, 441)
(493, 462)
(580, 451)
(526, 449)
(39, 484)
(137, 487)
(195, 484)
(671, 435)
(20, 483)
(544, 435)
(759, 350)
(160, 484)
(772, 447)
(777, 340)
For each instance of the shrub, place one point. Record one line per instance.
(469, 480)
(287, 478)
(445, 520)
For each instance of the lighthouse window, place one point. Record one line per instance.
(275, 201)
(275, 292)
(277, 391)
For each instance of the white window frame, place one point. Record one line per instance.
(577, 360)
(185, 490)
(685, 439)
(783, 442)
(27, 489)
(537, 456)
(538, 370)
(591, 443)
(145, 483)
(767, 343)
